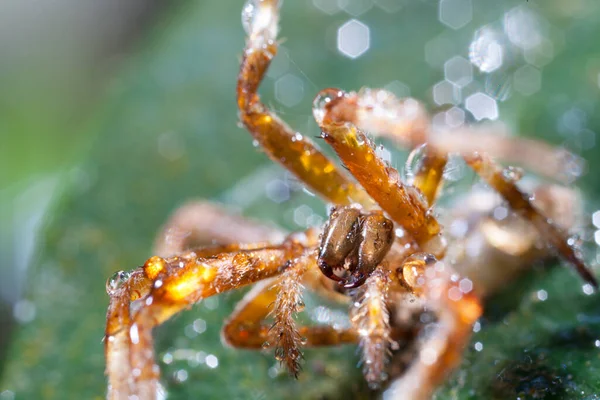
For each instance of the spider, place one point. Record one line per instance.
(382, 250)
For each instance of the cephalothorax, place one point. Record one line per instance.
(382, 245)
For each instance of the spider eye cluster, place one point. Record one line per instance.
(353, 244)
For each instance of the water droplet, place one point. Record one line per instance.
(180, 376)
(116, 281)
(300, 306)
(512, 173)
(303, 340)
(413, 163)
(255, 143)
(279, 354)
(322, 100)
(266, 345)
(393, 175)
(212, 361)
(542, 295)
(248, 14)
(588, 289)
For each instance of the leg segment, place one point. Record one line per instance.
(441, 351)
(496, 177)
(404, 204)
(407, 123)
(369, 315)
(202, 223)
(169, 286)
(292, 150)
(430, 171)
(280, 298)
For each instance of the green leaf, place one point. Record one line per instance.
(168, 134)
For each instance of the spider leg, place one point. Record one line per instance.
(292, 150)
(429, 173)
(279, 297)
(406, 122)
(403, 203)
(496, 176)
(370, 317)
(441, 350)
(169, 286)
(200, 223)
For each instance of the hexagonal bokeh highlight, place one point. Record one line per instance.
(289, 90)
(524, 27)
(527, 80)
(455, 117)
(353, 39)
(458, 71)
(327, 6)
(439, 49)
(389, 6)
(398, 88)
(482, 106)
(455, 13)
(446, 93)
(357, 7)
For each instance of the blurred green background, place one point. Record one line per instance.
(113, 114)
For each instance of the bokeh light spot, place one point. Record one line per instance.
(482, 106)
(353, 39)
(455, 13)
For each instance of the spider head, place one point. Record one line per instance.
(353, 244)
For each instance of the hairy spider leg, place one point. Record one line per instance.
(280, 298)
(498, 178)
(406, 122)
(292, 150)
(175, 284)
(370, 317)
(441, 351)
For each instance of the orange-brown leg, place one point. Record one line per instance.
(501, 180)
(456, 308)
(406, 122)
(168, 286)
(370, 317)
(280, 298)
(403, 203)
(429, 173)
(294, 151)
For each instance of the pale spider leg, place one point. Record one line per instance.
(177, 283)
(116, 338)
(496, 176)
(370, 317)
(403, 203)
(510, 246)
(292, 150)
(406, 122)
(441, 350)
(201, 223)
